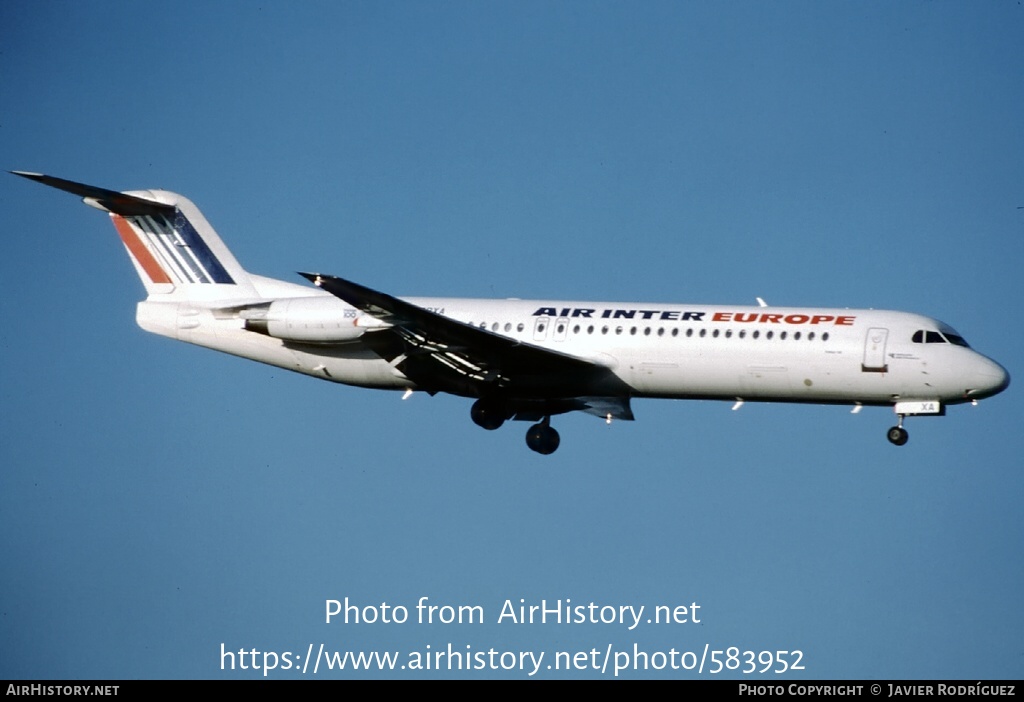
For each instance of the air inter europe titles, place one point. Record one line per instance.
(758, 317)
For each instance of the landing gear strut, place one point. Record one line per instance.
(542, 437)
(897, 434)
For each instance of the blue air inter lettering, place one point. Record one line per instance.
(664, 315)
(693, 316)
(565, 312)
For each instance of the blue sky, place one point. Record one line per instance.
(159, 500)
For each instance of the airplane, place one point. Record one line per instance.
(530, 360)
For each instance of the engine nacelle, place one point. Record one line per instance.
(310, 319)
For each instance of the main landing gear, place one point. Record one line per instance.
(488, 414)
(897, 434)
(542, 437)
(491, 414)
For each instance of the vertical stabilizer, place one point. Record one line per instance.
(175, 251)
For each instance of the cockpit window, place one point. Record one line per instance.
(923, 336)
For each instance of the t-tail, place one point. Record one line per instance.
(175, 251)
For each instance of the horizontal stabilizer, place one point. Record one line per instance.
(111, 200)
(174, 249)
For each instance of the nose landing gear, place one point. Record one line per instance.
(898, 435)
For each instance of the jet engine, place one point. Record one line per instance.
(324, 320)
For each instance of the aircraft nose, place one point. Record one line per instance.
(1002, 379)
(992, 379)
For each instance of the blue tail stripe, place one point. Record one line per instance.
(173, 257)
(197, 246)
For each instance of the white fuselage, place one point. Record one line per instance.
(658, 350)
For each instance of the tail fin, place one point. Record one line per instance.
(175, 251)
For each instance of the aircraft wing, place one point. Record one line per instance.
(442, 354)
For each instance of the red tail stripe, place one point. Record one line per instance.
(139, 251)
